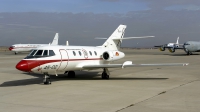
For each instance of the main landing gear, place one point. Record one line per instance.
(105, 74)
(189, 53)
(71, 74)
(47, 79)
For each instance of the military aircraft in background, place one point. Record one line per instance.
(171, 46)
(28, 47)
(67, 59)
(188, 47)
(191, 46)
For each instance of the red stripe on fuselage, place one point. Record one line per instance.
(36, 63)
(23, 47)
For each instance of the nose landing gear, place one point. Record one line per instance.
(47, 79)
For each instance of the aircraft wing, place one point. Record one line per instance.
(175, 47)
(129, 64)
(170, 47)
(178, 48)
(158, 46)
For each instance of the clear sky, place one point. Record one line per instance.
(75, 6)
(82, 19)
(96, 6)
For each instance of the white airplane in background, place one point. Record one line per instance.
(171, 46)
(28, 47)
(67, 59)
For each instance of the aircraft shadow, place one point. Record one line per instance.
(83, 76)
(182, 54)
(176, 54)
(18, 54)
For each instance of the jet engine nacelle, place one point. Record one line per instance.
(112, 55)
(162, 48)
(172, 50)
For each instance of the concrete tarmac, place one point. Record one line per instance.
(139, 89)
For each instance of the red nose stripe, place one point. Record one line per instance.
(11, 48)
(23, 66)
(28, 65)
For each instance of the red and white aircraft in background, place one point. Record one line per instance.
(28, 47)
(67, 59)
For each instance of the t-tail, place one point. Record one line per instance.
(114, 41)
(55, 40)
(177, 40)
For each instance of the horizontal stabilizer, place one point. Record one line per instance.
(100, 38)
(132, 37)
(125, 38)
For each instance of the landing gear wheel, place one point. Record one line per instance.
(47, 79)
(71, 74)
(104, 75)
(189, 53)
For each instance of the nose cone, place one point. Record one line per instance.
(11, 48)
(23, 66)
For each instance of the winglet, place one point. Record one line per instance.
(185, 64)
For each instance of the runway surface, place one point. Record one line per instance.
(139, 89)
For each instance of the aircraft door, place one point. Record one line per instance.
(63, 60)
(85, 54)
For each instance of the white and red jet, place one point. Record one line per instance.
(67, 59)
(28, 47)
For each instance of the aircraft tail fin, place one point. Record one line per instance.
(55, 40)
(177, 40)
(114, 41)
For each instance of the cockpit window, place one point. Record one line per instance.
(39, 53)
(51, 53)
(186, 44)
(45, 53)
(32, 53)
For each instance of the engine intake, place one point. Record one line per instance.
(112, 55)
(172, 50)
(162, 48)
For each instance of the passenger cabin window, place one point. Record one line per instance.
(79, 53)
(95, 52)
(74, 53)
(90, 53)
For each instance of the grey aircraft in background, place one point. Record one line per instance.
(189, 47)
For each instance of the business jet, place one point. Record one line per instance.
(67, 59)
(171, 46)
(28, 47)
